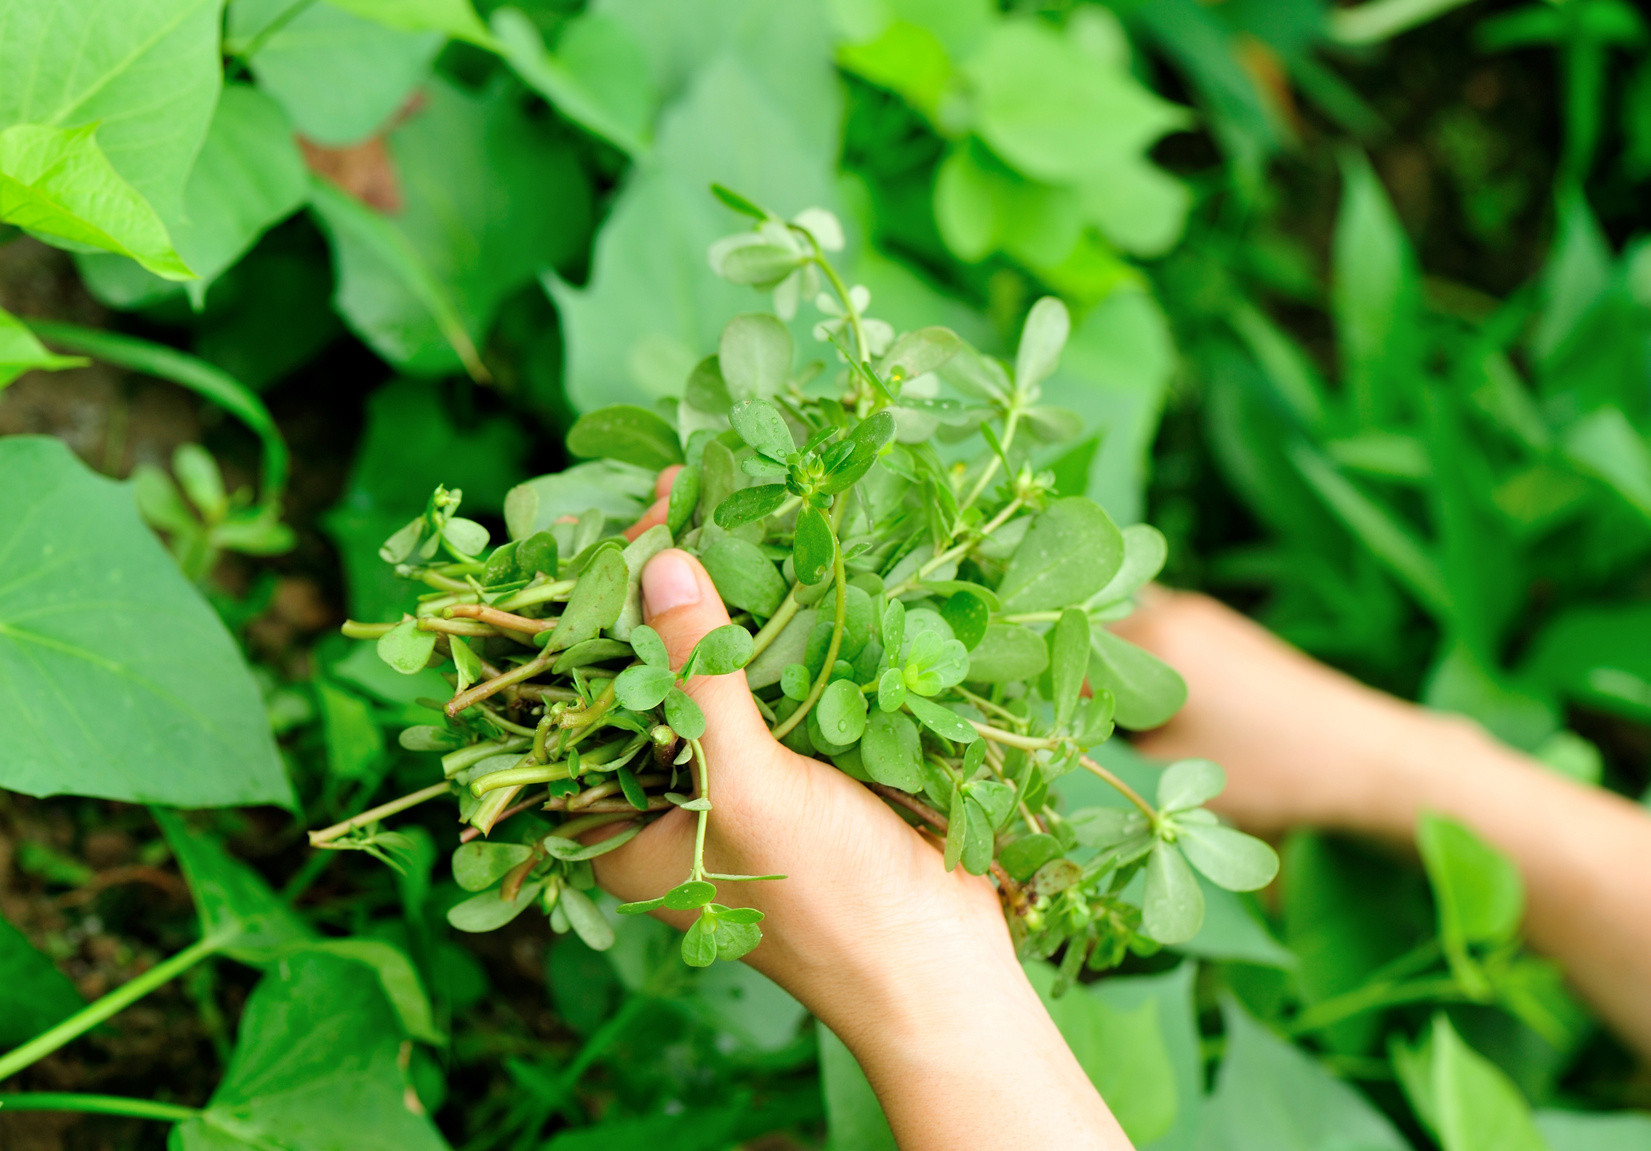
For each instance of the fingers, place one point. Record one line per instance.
(680, 602)
(662, 502)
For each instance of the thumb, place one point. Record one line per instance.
(680, 602)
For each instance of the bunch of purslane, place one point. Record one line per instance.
(913, 601)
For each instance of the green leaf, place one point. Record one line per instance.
(754, 355)
(1232, 859)
(150, 671)
(1389, 540)
(1189, 783)
(736, 940)
(650, 649)
(586, 918)
(456, 18)
(943, 721)
(869, 438)
(20, 352)
(1025, 855)
(248, 177)
(479, 865)
(765, 105)
(748, 505)
(1146, 691)
(1480, 895)
(760, 425)
(890, 751)
(489, 911)
(318, 1065)
(968, 615)
(642, 688)
(597, 77)
(146, 76)
(1172, 906)
(597, 600)
(699, 943)
(1595, 1131)
(1072, 550)
(1606, 445)
(637, 554)
(1271, 1094)
(683, 714)
(1375, 293)
(406, 648)
(422, 286)
(1124, 1051)
(338, 76)
(679, 512)
(695, 893)
(355, 742)
(57, 182)
(814, 548)
(842, 712)
(1041, 340)
(397, 978)
(1145, 551)
(721, 650)
(628, 433)
(1006, 653)
(1068, 662)
(1474, 1105)
(238, 910)
(853, 1116)
(746, 579)
(34, 994)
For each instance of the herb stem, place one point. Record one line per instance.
(985, 704)
(373, 814)
(704, 813)
(498, 683)
(1122, 788)
(840, 575)
(1014, 739)
(1010, 422)
(355, 629)
(116, 1001)
(98, 1105)
(1372, 997)
(850, 313)
(541, 593)
(516, 776)
(771, 630)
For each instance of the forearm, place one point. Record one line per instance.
(962, 1053)
(1585, 854)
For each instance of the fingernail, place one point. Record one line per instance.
(669, 582)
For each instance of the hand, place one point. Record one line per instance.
(910, 965)
(1302, 744)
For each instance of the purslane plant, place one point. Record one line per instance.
(913, 600)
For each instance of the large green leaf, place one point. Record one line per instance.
(758, 112)
(145, 72)
(597, 77)
(454, 17)
(340, 77)
(1585, 1131)
(57, 183)
(1598, 655)
(1124, 1051)
(490, 198)
(238, 911)
(34, 994)
(1479, 891)
(1270, 1096)
(116, 679)
(853, 1116)
(249, 177)
(20, 352)
(1466, 1100)
(317, 1068)
(1376, 294)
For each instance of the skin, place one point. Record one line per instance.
(1305, 746)
(911, 966)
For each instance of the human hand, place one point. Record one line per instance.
(910, 965)
(1302, 744)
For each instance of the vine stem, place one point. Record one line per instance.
(498, 683)
(840, 575)
(372, 815)
(958, 551)
(116, 1001)
(704, 814)
(98, 1105)
(1122, 788)
(771, 630)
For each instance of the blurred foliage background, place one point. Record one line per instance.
(1362, 305)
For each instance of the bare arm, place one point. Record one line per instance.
(1305, 745)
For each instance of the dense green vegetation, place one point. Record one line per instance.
(1358, 314)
